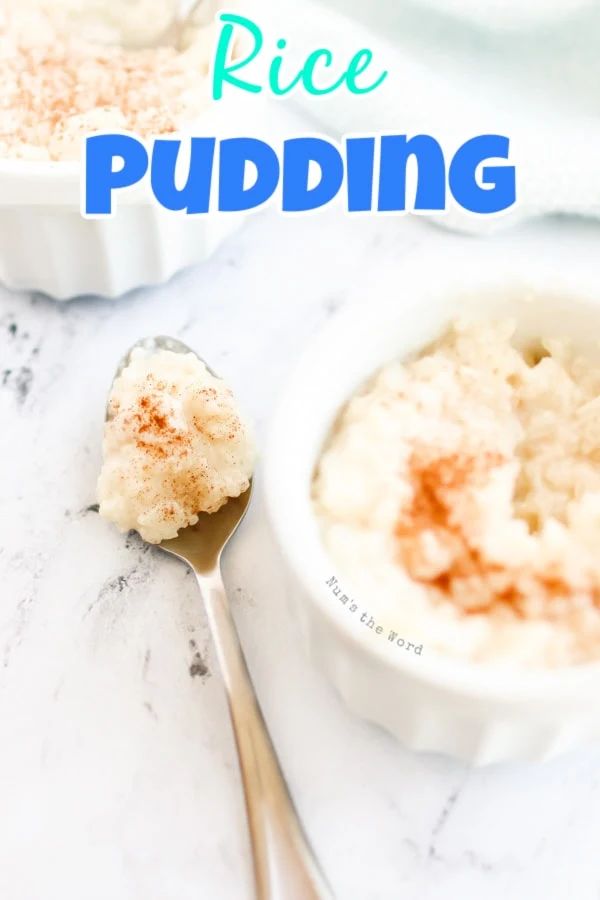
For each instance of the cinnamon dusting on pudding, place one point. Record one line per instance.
(466, 575)
(175, 445)
(64, 74)
(459, 493)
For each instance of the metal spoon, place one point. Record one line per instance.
(172, 35)
(285, 867)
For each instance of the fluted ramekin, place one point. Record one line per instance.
(46, 245)
(430, 702)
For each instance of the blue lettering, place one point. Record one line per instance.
(360, 162)
(499, 190)
(298, 153)
(102, 179)
(431, 180)
(194, 196)
(234, 154)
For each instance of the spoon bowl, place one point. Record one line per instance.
(153, 345)
(202, 544)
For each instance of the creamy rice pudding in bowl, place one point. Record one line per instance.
(65, 75)
(434, 482)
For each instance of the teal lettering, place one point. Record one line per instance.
(359, 63)
(223, 68)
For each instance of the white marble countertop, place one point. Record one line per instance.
(118, 777)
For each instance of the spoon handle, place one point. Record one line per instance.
(284, 865)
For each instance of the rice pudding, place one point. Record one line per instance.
(459, 494)
(175, 445)
(65, 74)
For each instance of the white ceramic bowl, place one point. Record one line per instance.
(46, 245)
(430, 703)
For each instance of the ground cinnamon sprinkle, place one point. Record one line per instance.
(469, 577)
(58, 85)
(152, 420)
(435, 481)
(174, 446)
(459, 492)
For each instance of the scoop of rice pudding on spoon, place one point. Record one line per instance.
(178, 463)
(175, 445)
